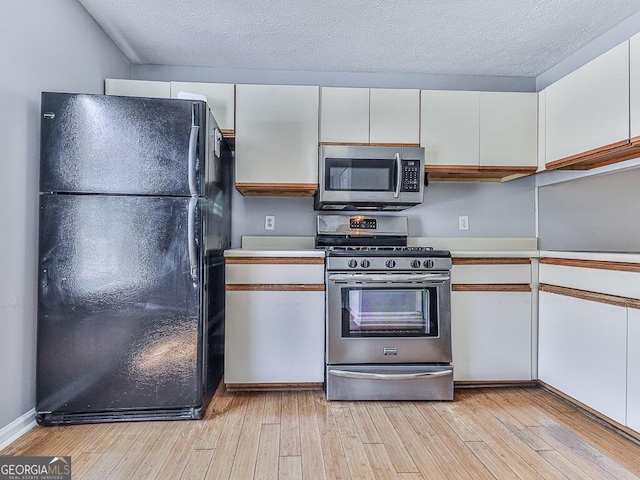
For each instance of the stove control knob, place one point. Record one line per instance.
(428, 264)
(416, 263)
(365, 263)
(352, 263)
(390, 263)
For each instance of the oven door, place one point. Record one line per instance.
(388, 318)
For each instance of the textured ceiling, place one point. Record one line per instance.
(452, 37)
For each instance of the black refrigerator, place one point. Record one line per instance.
(135, 213)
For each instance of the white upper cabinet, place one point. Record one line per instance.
(363, 115)
(344, 115)
(542, 129)
(450, 127)
(589, 108)
(220, 98)
(479, 129)
(508, 129)
(394, 116)
(277, 134)
(634, 85)
(137, 88)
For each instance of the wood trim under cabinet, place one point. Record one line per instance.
(273, 387)
(274, 260)
(503, 287)
(591, 296)
(480, 173)
(490, 261)
(256, 189)
(274, 287)
(598, 264)
(598, 157)
(625, 431)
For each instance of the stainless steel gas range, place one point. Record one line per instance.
(388, 307)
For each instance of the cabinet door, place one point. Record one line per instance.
(220, 98)
(450, 127)
(491, 335)
(508, 129)
(633, 370)
(582, 351)
(589, 108)
(276, 134)
(394, 116)
(634, 85)
(137, 88)
(274, 337)
(542, 130)
(344, 115)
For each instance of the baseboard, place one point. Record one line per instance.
(273, 387)
(17, 428)
(494, 383)
(594, 414)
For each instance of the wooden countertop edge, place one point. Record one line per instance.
(491, 287)
(274, 287)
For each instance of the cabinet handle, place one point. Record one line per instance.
(384, 376)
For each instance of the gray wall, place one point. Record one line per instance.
(46, 46)
(494, 210)
(599, 213)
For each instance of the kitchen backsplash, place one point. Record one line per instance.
(494, 210)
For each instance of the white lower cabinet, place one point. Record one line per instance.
(633, 370)
(491, 335)
(274, 337)
(583, 352)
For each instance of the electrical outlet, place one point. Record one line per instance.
(270, 222)
(463, 222)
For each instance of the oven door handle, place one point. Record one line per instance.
(388, 278)
(386, 376)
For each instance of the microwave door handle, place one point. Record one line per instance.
(398, 168)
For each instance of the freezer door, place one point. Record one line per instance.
(120, 309)
(122, 145)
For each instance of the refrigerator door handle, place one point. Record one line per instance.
(193, 146)
(191, 239)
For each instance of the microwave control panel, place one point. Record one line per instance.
(410, 176)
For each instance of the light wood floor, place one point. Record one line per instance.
(521, 433)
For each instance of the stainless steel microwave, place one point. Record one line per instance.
(369, 178)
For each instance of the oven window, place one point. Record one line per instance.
(375, 312)
(359, 174)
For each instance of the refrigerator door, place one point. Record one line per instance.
(122, 145)
(121, 314)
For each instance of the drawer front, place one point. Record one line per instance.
(375, 382)
(601, 280)
(491, 274)
(274, 274)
